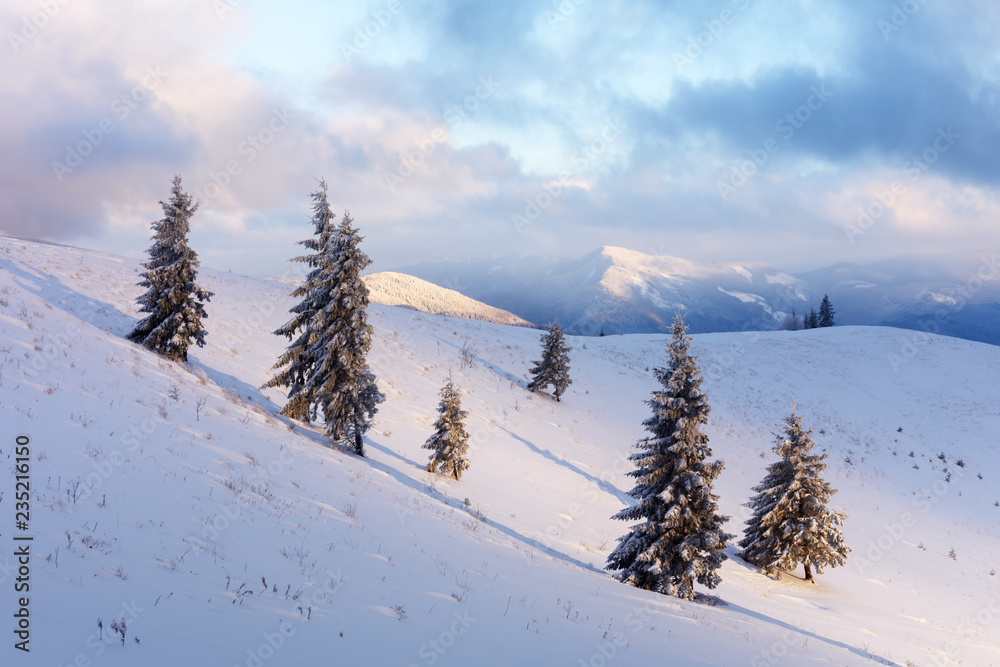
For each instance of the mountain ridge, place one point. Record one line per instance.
(617, 290)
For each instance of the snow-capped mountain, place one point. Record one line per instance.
(624, 291)
(397, 289)
(174, 496)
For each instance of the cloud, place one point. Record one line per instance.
(453, 119)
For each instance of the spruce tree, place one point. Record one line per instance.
(450, 441)
(174, 300)
(826, 312)
(296, 365)
(553, 369)
(679, 540)
(791, 523)
(812, 320)
(338, 382)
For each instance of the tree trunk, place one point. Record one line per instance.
(809, 574)
(359, 445)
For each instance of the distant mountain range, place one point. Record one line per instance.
(622, 291)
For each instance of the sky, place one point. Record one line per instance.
(796, 132)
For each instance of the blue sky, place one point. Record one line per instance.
(800, 133)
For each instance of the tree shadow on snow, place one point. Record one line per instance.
(437, 495)
(811, 635)
(248, 393)
(497, 370)
(100, 314)
(605, 486)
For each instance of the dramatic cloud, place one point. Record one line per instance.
(797, 133)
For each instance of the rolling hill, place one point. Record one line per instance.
(176, 498)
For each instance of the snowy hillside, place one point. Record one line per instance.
(397, 289)
(623, 291)
(174, 497)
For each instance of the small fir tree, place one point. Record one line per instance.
(791, 523)
(343, 338)
(812, 320)
(553, 369)
(450, 441)
(679, 540)
(174, 300)
(791, 322)
(296, 365)
(826, 312)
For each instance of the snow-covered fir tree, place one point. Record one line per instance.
(811, 320)
(826, 312)
(174, 300)
(450, 441)
(342, 338)
(791, 322)
(791, 522)
(679, 540)
(295, 366)
(553, 369)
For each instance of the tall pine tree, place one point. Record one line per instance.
(341, 383)
(553, 369)
(450, 441)
(296, 365)
(679, 540)
(174, 300)
(826, 312)
(791, 523)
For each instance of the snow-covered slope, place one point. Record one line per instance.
(225, 535)
(397, 289)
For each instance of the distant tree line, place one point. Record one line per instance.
(812, 319)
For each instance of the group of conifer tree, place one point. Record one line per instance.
(812, 319)
(324, 367)
(678, 539)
